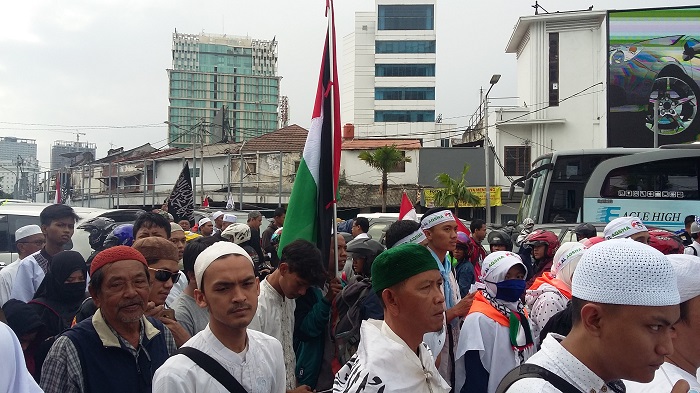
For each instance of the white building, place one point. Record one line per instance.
(389, 71)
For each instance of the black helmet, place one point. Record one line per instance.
(99, 228)
(499, 238)
(365, 248)
(585, 230)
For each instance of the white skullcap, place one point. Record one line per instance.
(26, 231)
(623, 227)
(625, 272)
(495, 267)
(694, 228)
(214, 252)
(565, 261)
(204, 221)
(217, 214)
(687, 268)
(175, 227)
(230, 218)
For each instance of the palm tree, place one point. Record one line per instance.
(384, 159)
(455, 192)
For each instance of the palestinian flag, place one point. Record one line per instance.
(311, 204)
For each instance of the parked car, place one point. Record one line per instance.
(17, 215)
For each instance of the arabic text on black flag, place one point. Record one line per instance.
(181, 199)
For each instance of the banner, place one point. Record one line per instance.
(429, 197)
(181, 199)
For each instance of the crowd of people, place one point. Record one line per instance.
(217, 306)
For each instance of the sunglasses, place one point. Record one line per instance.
(165, 275)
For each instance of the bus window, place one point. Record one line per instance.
(677, 179)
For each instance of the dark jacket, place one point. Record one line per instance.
(311, 324)
(267, 247)
(255, 243)
(109, 367)
(464, 273)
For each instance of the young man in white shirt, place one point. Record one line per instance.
(625, 302)
(300, 268)
(227, 285)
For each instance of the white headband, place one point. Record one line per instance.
(214, 252)
(416, 237)
(623, 227)
(437, 218)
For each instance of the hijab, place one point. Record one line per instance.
(64, 298)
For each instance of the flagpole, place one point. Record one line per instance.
(331, 53)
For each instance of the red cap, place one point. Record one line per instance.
(114, 254)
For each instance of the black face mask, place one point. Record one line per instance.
(72, 292)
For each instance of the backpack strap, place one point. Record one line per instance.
(213, 368)
(35, 301)
(528, 370)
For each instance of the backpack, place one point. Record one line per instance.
(695, 251)
(348, 308)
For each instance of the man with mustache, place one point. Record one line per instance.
(118, 349)
(226, 284)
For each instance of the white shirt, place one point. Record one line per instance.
(492, 340)
(385, 363)
(28, 278)
(362, 235)
(259, 369)
(689, 249)
(7, 276)
(275, 317)
(543, 303)
(555, 358)
(665, 377)
(177, 290)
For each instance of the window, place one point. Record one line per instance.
(251, 168)
(401, 166)
(404, 116)
(405, 47)
(404, 93)
(194, 172)
(296, 166)
(404, 70)
(517, 160)
(405, 17)
(553, 69)
(445, 142)
(667, 179)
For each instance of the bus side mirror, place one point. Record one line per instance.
(527, 189)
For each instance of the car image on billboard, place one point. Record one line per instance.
(654, 57)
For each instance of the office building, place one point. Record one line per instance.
(12, 147)
(66, 153)
(211, 72)
(388, 74)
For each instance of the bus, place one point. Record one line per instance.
(553, 192)
(659, 187)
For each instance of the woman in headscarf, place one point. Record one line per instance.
(551, 292)
(29, 330)
(62, 292)
(496, 335)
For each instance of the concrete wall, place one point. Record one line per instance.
(356, 171)
(451, 161)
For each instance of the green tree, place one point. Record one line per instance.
(384, 159)
(454, 192)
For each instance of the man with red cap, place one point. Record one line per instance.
(118, 349)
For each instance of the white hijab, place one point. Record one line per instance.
(14, 376)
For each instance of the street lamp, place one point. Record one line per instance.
(494, 79)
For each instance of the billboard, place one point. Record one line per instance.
(654, 56)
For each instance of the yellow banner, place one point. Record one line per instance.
(429, 196)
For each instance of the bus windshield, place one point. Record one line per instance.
(531, 203)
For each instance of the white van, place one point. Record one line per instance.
(17, 215)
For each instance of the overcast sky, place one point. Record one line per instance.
(102, 62)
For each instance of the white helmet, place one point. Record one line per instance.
(237, 233)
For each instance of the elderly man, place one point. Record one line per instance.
(625, 303)
(255, 220)
(684, 362)
(391, 356)
(627, 227)
(58, 225)
(228, 220)
(226, 284)
(118, 349)
(206, 228)
(217, 219)
(28, 240)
